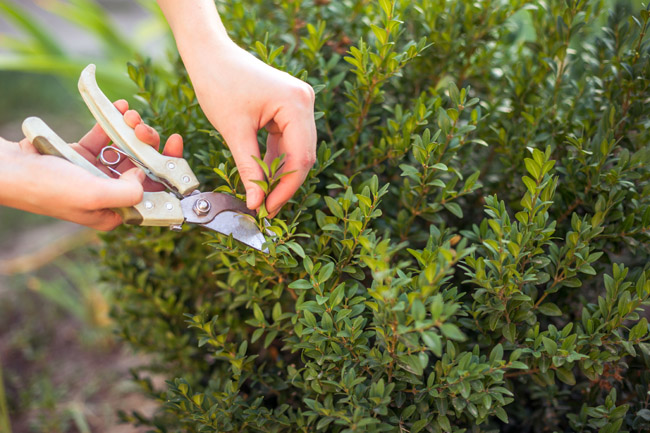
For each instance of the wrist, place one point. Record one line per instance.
(196, 26)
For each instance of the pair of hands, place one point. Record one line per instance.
(238, 93)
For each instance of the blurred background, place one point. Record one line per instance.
(61, 370)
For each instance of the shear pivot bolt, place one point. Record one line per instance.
(201, 207)
(171, 165)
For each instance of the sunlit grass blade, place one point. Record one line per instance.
(25, 21)
(17, 45)
(89, 15)
(114, 80)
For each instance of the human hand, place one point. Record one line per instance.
(240, 95)
(52, 186)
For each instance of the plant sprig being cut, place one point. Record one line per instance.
(272, 176)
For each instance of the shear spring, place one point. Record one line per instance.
(119, 158)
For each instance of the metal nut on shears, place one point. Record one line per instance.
(201, 207)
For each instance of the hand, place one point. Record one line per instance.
(52, 186)
(240, 95)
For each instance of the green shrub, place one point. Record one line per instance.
(469, 253)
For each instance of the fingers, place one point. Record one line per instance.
(147, 135)
(27, 147)
(113, 193)
(104, 220)
(132, 118)
(174, 146)
(243, 147)
(298, 143)
(134, 175)
(96, 138)
(143, 132)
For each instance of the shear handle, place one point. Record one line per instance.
(175, 172)
(155, 209)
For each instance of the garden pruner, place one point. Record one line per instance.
(182, 203)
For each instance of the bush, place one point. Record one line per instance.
(469, 253)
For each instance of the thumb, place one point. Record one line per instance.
(243, 147)
(134, 174)
(123, 192)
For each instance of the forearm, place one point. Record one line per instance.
(196, 26)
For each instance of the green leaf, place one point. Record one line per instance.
(418, 310)
(501, 414)
(419, 425)
(301, 285)
(454, 208)
(565, 375)
(496, 354)
(309, 318)
(198, 399)
(452, 331)
(326, 322)
(433, 341)
(532, 167)
(549, 345)
(257, 334)
(257, 312)
(325, 273)
(530, 184)
(277, 311)
(550, 309)
(386, 7)
(444, 423)
(296, 249)
(334, 207)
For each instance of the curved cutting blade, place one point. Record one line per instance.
(241, 227)
(224, 214)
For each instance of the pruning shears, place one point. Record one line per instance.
(182, 203)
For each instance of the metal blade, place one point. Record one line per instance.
(241, 227)
(224, 214)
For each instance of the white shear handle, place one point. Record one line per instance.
(155, 209)
(174, 171)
